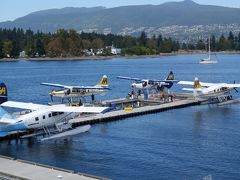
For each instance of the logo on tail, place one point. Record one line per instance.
(3, 93)
(104, 81)
(170, 76)
(196, 84)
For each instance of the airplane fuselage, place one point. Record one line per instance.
(214, 92)
(76, 93)
(148, 84)
(38, 119)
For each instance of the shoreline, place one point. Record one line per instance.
(181, 52)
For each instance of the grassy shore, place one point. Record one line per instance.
(115, 56)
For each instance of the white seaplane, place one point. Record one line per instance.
(147, 84)
(214, 92)
(70, 92)
(47, 119)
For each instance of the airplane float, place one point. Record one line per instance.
(41, 117)
(147, 84)
(70, 92)
(210, 91)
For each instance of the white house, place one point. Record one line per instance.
(115, 51)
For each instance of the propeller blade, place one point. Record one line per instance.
(236, 90)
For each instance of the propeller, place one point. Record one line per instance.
(51, 96)
(144, 84)
(234, 82)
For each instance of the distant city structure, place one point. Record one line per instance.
(115, 51)
(184, 34)
(22, 54)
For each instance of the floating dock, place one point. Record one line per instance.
(22, 170)
(134, 111)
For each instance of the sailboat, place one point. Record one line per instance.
(208, 60)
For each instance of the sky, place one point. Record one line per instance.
(12, 9)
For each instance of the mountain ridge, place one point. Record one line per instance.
(116, 19)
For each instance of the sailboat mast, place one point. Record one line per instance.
(209, 47)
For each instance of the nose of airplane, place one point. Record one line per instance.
(133, 85)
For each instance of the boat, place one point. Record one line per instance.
(208, 60)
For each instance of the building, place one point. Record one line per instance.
(115, 51)
(22, 54)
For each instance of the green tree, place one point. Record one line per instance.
(7, 48)
(200, 45)
(231, 41)
(143, 39)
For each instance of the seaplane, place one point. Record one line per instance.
(51, 121)
(148, 84)
(212, 92)
(70, 92)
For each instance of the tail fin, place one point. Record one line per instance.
(170, 76)
(3, 93)
(104, 81)
(196, 84)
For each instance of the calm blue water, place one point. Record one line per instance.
(185, 143)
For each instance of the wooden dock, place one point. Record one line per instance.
(17, 169)
(120, 114)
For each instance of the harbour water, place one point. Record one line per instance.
(188, 143)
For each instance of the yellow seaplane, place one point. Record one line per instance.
(70, 92)
(213, 92)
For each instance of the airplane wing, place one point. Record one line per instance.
(80, 109)
(230, 85)
(166, 81)
(192, 83)
(129, 78)
(89, 87)
(55, 108)
(75, 87)
(23, 105)
(56, 85)
(214, 85)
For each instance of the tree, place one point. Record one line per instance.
(222, 44)
(200, 45)
(54, 48)
(7, 48)
(213, 43)
(143, 39)
(231, 41)
(97, 43)
(40, 47)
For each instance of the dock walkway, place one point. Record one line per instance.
(120, 114)
(22, 170)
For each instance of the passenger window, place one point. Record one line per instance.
(54, 114)
(36, 119)
(43, 117)
(49, 115)
(60, 113)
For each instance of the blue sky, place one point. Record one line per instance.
(12, 9)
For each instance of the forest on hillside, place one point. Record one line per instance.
(70, 43)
